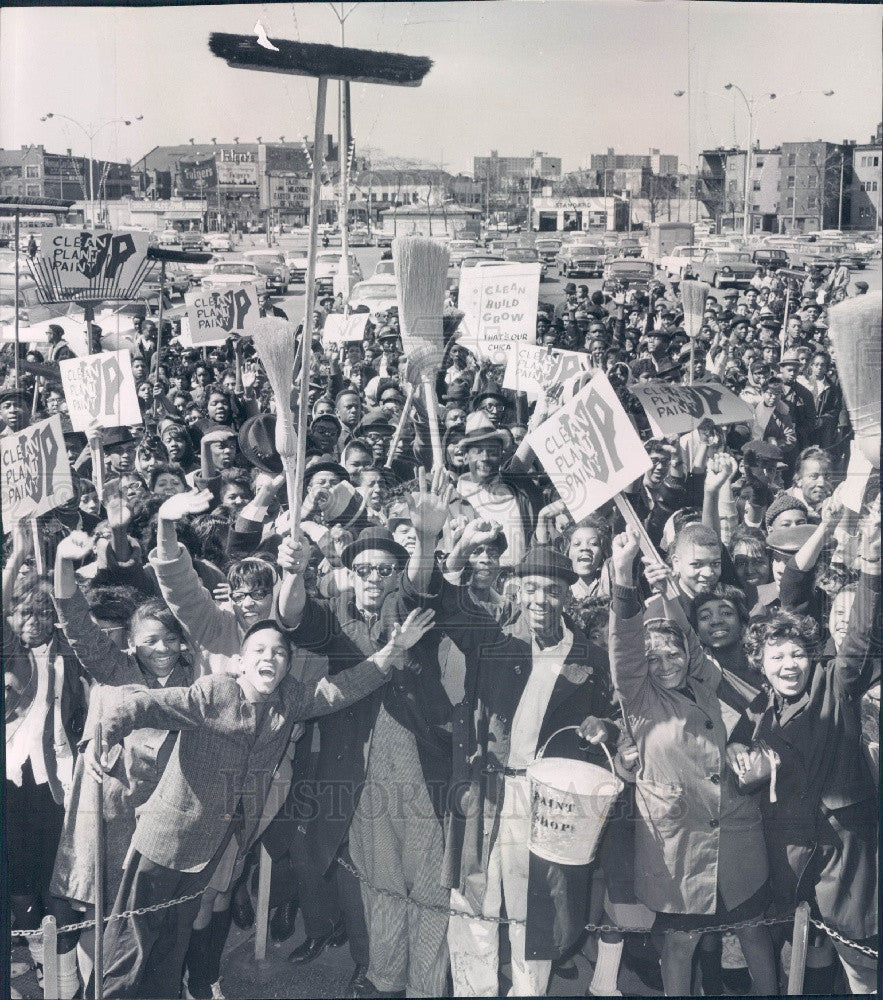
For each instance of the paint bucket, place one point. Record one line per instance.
(569, 803)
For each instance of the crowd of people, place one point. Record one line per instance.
(364, 698)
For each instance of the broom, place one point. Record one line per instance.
(693, 296)
(421, 269)
(855, 337)
(325, 62)
(276, 346)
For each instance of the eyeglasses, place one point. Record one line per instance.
(364, 571)
(239, 596)
(492, 407)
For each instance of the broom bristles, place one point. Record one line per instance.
(855, 338)
(309, 59)
(693, 296)
(421, 270)
(276, 346)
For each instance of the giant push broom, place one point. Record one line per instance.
(325, 62)
(421, 269)
(693, 296)
(855, 337)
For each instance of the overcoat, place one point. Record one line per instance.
(821, 832)
(498, 665)
(695, 833)
(135, 772)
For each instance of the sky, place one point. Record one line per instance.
(566, 77)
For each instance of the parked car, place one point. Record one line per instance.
(580, 258)
(771, 258)
(458, 249)
(199, 271)
(327, 263)
(384, 267)
(296, 262)
(169, 238)
(193, 241)
(627, 272)
(177, 280)
(547, 249)
(232, 272)
(383, 239)
(524, 255)
(681, 261)
(359, 237)
(811, 255)
(376, 294)
(271, 264)
(480, 260)
(222, 242)
(726, 267)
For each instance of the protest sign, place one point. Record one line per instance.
(85, 259)
(341, 329)
(533, 370)
(36, 473)
(499, 306)
(677, 409)
(100, 388)
(589, 448)
(215, 315)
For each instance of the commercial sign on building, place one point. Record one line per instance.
(197, 175)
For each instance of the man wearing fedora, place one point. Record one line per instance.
(503, 496)
(379, 763)
(525, 682)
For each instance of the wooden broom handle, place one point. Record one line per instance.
(438, 458)
(295, 488)
(400, 427)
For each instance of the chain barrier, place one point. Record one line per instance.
(592, 928)
(863, 948)
(86, 924)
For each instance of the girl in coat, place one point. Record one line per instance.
(152, 656)
(820, 815)
(699, 849)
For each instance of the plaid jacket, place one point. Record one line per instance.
(226, 754)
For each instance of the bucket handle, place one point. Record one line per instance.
(565, 729)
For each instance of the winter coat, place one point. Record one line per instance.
(695, 833)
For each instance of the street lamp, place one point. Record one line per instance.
(90, 135)
(749, 107)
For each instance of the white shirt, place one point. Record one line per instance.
(546, 666)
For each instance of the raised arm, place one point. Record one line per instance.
(857, 664)
(628, 660)
(430, 507)
(349, 686)
(98, 655)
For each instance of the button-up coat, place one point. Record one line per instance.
(498, 665)
(226, 754)
(695, 833)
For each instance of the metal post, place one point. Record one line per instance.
(98, 860)
(50, 958)
(17, 281)
(162, 288)
(747, 172)
(840, 201)
(343, 167)
(799, 940)
(91, 190)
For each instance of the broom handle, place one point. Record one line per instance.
(295, 488)
(782, 333)
(400, 427)
(633, 522)
(438, 459)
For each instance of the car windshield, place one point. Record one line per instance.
(259, 255)
(525, 255)
(329, 258)
(734, 258)
(547, 244)
(586, 250)
(385, 267)
(375, 291)
(472, 261)
(234, 269)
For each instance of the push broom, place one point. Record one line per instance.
(325, 62)
(421, 269)
(855, 337)
(693, 296)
